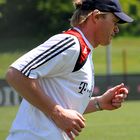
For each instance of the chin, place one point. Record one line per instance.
(106, 43)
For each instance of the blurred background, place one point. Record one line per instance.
(24, 24)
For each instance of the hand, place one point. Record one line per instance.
(69, 121)
(113, 98)
(120, 96)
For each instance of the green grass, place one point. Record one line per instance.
(121, 124)
(7, 115)
(6, 59)
(130, 45)
(11, 49)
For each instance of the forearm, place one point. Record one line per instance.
(110, 100)
(31, 91)
(93, 106)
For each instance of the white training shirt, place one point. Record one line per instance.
(52, 64)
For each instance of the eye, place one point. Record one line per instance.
(115, 22)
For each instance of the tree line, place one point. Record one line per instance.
(47, 17)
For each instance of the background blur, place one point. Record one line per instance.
(24, 24)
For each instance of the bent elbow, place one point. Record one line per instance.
(10, 75)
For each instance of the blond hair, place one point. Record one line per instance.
(79, 16)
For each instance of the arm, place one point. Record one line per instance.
(30, 90)
(110, 100)
(67, 120)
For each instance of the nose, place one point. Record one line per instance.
(116, 29)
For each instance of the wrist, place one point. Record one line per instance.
(97, 104)
(56, 112)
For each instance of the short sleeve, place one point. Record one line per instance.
(55, 57)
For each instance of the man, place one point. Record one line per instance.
(56, 79)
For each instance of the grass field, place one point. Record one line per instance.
(10, 50)
(121, 124)
(132, 48)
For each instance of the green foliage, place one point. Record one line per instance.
(2, 1)
(56, 14)
(34, 18)
(47, 17)
(132, 7)
(18, 17)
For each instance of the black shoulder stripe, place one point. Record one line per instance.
(46, 53)
(49, 58)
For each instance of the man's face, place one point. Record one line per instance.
(106, 28)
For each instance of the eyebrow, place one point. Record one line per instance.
(115, 18)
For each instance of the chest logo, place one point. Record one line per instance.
(84, 88)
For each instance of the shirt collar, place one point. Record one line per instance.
(87, 42)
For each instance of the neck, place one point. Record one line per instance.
(89, 34)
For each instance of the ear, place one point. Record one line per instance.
(96, 15)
